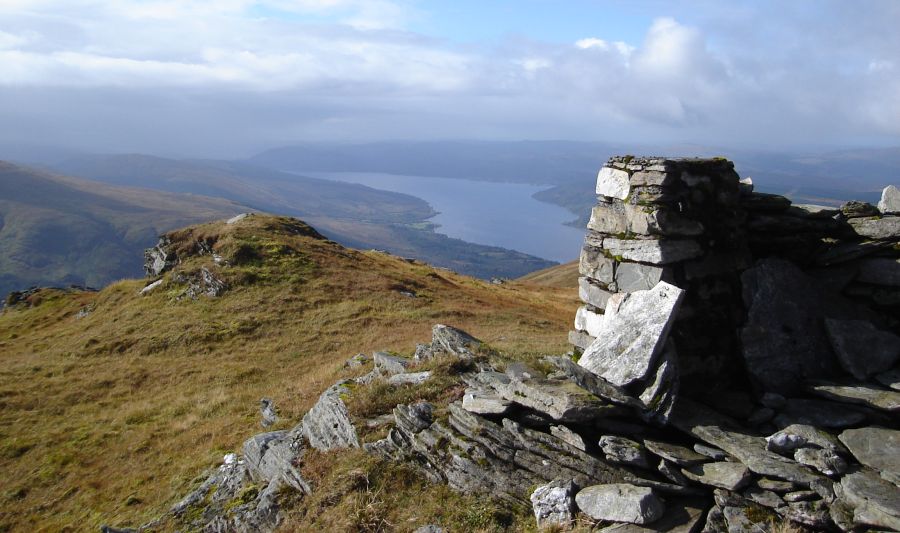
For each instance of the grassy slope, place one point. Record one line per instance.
(562, 276)
(111, 417)
(57, 230)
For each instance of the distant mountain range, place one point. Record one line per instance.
(58, 230)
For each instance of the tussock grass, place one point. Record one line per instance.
(112, 417)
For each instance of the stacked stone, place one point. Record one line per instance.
(680, 221)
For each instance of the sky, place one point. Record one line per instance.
(227, 78)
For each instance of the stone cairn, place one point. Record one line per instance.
(737, 368)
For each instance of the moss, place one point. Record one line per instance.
(245, 496)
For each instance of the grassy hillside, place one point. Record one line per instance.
(563, 276)
(57, 230)
(352, 214)
(111, 417)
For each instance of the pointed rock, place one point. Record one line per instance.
(633, 334)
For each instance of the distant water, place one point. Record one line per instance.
(496, 214)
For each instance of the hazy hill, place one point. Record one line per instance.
(109, 418)
(58, 230)
(354, 215)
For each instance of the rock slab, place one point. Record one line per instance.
(620, 502)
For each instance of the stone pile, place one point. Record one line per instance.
(727, 378)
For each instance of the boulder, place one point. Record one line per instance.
(874, 501)
(877, 448)
(620, 502)
(856, 209)
(624, 451)
(825, 461)
(390, 364)
(878, 228)
(613, 183)
(785, 311)
(268, 413)
(890, 200)
(724, 475)
(861, 348)
(554, 503)
(453, 341)
(151, 287)
(632, 334)
(870, 396)
(327, 425)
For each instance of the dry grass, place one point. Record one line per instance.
(112, 417)
(562, 276)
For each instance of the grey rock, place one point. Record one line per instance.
(746, 186)
(856, 209)
(725, 475)
(825, 461)
(327, 425)
(661, 393)
(274, 455)
(659, 220)
(588, 321)
(268, 412)
(676, 454)
(568, 436)
(766, 498)
(561, 400)
(655, 252)
(608, 217)
(632, 334)
(748, 519)
(776, 485)
(430, 528)
(409, 378)
(151, 287)
(813, 514)
(453, 341)
(591, 293)
(160, 258)
(707, 425)
(801, 496)
(357, 361)
(890, 379)
(624, 451)
(580, 339)
(880, 271)
(810, 436)
(784, 442)
(877, 448)
(423, 352)
(759, 201)
(861, 348)
(884, 228)
(620, 502)
(708, 451)
(671, 472)
(715, 521)
(812, 211)
(890, 200)
(870, 396)
(237, 218)
(554, 503)
(390, 364)
(875, 502)
(613, 183)
(784, 316)
(484, 402)
(819, 413)
(593, 383)
(680, 516)
(595, 264)
(631, 277)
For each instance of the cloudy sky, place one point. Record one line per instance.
(230, 77)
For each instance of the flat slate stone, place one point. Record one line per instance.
(825, 461)
(591, 293)
(620, 502)
(713, 453)
(815, 436)
(885, 400)
(884, 228)
(681, 516)
(632, 334)
(707, 425)
(655, 252)
(875, 502)
(877, 448)
(484, 402)
(660, 395)
(861, 348)
(724, 475)
(391, 364)
(561, 400)
(819, 413)
(624, 451)
(632, 277)
(677, 454)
